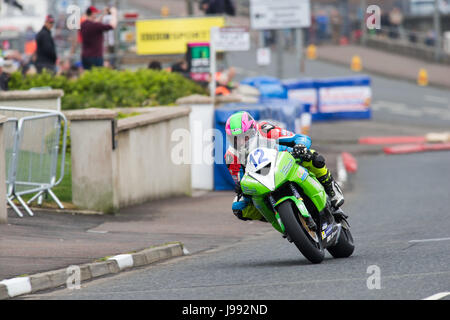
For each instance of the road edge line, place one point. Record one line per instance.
(437, 296)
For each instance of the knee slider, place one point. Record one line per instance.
(318, 160)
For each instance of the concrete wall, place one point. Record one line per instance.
(134, 169)
(3, 212)
(92, 162)
(143, 166)
(42, 99)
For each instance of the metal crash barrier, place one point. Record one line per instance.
(32, 143)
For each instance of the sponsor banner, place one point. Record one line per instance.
(342, 99)
(333, 98)
(171, 36)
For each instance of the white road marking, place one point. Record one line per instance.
(403, 109)
(437, 296)
(429, 240)
(436, 99)
(433, 110)
(97, 231)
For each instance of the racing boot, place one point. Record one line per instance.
(332, 189)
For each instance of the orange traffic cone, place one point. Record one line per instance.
(311, 52)
(422, 79)
(356, 64)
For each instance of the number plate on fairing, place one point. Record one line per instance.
(259, 158)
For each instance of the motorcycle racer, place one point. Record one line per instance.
(243, 133)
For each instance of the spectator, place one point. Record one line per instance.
(92, 37)
(155, 65)
(181, 67)
(7, 67)
(218, 7)
(395, 21)
(322, 20)
(46, 51)
(30, 41)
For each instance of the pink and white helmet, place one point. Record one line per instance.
(240, 128)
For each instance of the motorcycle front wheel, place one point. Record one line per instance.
(298, 232)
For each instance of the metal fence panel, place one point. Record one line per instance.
(9, 137)
(33, 144)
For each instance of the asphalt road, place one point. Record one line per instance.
(399, 219)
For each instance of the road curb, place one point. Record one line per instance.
(18, 286)
(415, 148)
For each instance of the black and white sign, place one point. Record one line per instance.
(230, 39)
(280, 14)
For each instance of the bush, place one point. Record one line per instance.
(106, 88)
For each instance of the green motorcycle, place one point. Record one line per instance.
(296, 204)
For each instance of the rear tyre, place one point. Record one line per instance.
(344, 247)
(290, 216)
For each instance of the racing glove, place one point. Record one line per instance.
(301, 152)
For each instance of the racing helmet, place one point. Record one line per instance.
(241, 128)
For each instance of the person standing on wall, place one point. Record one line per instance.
(45, 47)
(92, 37)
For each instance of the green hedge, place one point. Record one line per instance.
(106, 88)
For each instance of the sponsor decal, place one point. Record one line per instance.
(285, 170)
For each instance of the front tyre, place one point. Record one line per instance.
(296, 230)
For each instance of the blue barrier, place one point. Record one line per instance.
(268, 87)
(333, 98)
(257, 81)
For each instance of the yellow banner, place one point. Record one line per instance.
(170, 36)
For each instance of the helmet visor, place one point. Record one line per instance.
(242, 141)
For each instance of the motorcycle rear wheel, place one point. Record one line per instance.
(344, 247)
(290, 216)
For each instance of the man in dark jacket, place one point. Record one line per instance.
(46, 51)
(218, 7)
(92, 37)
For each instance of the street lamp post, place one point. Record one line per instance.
(363, 22)
(437, 31)
(190, 7)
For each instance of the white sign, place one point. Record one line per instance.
(280, 14)
(230, 39)
(263, 56)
